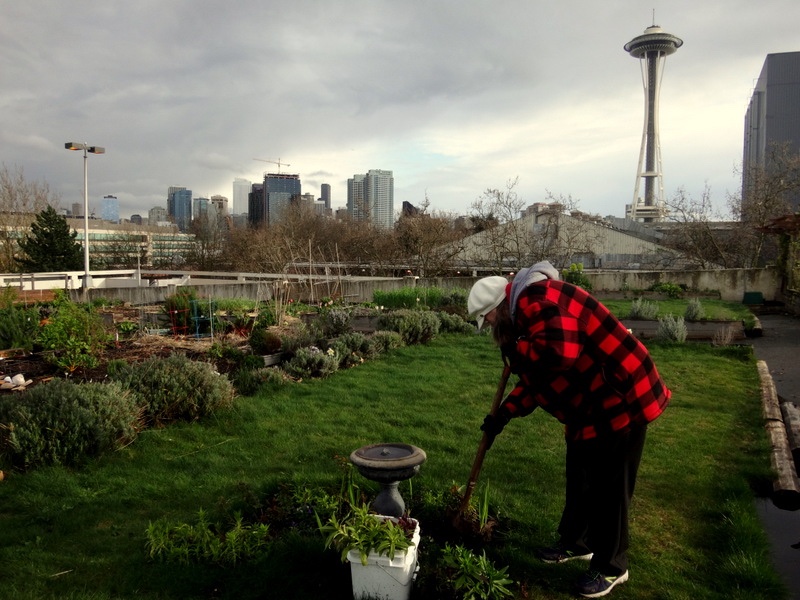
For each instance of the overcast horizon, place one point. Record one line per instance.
(453, 98)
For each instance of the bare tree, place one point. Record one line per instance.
(20, 202)
(428, 241)
(502, 239)
(697, 234)
(769, 191)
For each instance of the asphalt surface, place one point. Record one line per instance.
(779, 347)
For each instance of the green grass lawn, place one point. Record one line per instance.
(79, 534)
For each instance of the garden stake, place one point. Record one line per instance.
(458, 522)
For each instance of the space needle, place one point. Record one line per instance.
(652, 49)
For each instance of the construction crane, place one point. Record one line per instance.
(274, 162)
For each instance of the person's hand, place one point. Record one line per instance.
(492, 425)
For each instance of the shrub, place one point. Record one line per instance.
(383, 341)
(312, 362)
(670, 290)
(671, 329)
(178, 307)
(18, 327)
(61, 422)
(643, 310)
(174, 388)
(453, 323)
(248, 382)
(414, 326)
(334, 322)
(694, 310)
(264, 341)
(74, 335)
(576, 276)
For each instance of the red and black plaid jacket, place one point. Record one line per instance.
(579, 363)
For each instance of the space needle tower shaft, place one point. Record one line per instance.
(652, 49)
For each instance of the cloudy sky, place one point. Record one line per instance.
(452, 96)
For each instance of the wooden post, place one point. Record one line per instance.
(785, 487)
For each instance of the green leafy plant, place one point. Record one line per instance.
(204, 541)
(453, 323)
(364, 532)
(475, 577)
(334, 322)
(670, 290)
(178, 308)
(576, 276)
(74, 336)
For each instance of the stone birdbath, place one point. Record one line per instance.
(388, 464)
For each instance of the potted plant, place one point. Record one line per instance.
(382, 551)
(267, 344)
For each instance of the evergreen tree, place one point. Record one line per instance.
(50, 245)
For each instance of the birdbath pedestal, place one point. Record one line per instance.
(388, 464)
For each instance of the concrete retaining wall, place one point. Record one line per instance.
(731, 284)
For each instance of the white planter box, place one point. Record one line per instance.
(383, 578)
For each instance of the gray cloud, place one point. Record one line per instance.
(454, 97)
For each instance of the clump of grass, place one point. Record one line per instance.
(694, 310)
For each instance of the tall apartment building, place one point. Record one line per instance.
(179, 207)
(371, 197)
(773, 116)
(241, 190)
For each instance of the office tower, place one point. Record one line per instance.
(179, 207)
(241, 190)
(256, 206)
(325, 195)
(136, 219)
(220, 203)
(109, 209)
(156, 215)
(77, 209)
(280, 190)
(370, 197)
(772, 118)
(652, 49)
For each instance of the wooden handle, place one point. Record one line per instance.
(484, 443)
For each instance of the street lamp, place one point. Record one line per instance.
(87, 278)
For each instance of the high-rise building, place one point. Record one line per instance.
(325, 195)
(256, 206)
(772, 118)
(371, 197)
(156, 215)
(652, 49)
(241, 190)
(220, 203)
(109, 209)
(77, 209)
(281, 190)
(179, 207)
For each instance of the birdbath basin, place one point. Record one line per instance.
(388, 464)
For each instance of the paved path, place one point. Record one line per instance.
(779, 347)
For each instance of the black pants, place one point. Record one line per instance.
(601, 475)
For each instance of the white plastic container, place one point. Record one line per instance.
(384, 578)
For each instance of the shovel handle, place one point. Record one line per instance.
(482, 446)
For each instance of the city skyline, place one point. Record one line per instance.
(453, 98)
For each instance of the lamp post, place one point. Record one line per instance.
(87, 277)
